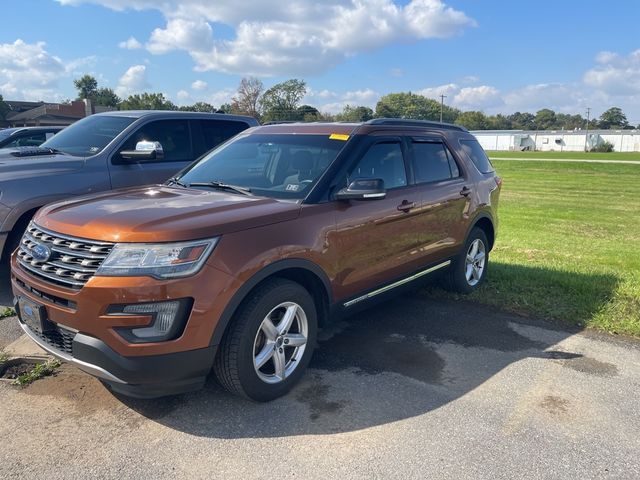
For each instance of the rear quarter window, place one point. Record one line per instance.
(477, 155)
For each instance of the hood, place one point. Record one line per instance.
(160, 213)
(30, 161)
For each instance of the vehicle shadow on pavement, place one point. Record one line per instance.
(6, 297)
(401, 359)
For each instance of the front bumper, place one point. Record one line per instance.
(141, 376)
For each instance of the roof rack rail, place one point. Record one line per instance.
(279, 122)
(414, 123)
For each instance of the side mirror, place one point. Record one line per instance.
(363, 189)
(144, 151)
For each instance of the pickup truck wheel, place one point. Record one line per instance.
(269, 343)
(469, 269)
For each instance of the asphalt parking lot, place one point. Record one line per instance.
(414, 388)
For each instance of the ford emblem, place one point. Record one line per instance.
(40, 253)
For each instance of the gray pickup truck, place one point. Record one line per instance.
(103, 152)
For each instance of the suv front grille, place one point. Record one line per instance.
(73, 261)
(59, 338)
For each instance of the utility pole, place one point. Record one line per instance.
(586, 138)
(442, 97)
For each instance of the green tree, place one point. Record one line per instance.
(247, 98)
(411, 105)
(87, 87)
(281, 101)
(569, 122)
(147, 101)
(354, 114)
(522, 121)
(4, 108)
(473, 120)
(307, 113)
(545, 119)
(199, 107)
(499, 122)
(106, 97)
(613, 118)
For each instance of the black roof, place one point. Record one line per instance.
(178, 113)
(407, 122)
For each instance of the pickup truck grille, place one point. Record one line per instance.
(72, 261)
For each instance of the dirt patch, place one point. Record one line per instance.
(12, 369)
(555, 405)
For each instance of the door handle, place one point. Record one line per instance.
(465, 191)
(406, 205)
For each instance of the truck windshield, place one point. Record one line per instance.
(270, 165)
(88, 136)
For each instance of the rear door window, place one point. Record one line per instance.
(214, 132)
(433, 162)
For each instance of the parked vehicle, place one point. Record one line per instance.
(26, 136)
(103, 152)
(237, 261)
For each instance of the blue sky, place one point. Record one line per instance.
(498, 56)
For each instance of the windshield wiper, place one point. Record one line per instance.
(222, 186)
(176, 181)
(34, 151)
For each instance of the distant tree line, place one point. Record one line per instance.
(282, 102)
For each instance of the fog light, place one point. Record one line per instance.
(168, 320)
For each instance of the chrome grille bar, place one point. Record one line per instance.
(73, 261)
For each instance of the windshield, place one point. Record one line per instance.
(270, 165)
(89, 135)
(6, 132)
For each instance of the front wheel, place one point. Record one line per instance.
(269, 342)
(469, 269)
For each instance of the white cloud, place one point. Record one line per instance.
(615, 74)
(334, 102)
(480, 97)
(221, 97)
(194, 36)
(182, 95)
(28, 71)
(133, 81)
(449, 90)
(199, 85)
(130, 44)
(290, 38)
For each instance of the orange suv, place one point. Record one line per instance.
(235, 262)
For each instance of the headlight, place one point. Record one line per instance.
(162, 260)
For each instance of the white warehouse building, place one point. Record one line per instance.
(558, 140)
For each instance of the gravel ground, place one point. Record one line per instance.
(414, 388)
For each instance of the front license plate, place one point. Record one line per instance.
(32, 314)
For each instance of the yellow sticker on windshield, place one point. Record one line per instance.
(339, 136)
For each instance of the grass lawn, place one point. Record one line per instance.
(568, 246)
(568, 155)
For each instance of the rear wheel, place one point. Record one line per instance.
(469, 269)
(269, 342)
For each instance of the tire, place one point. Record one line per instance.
(14, 238)
(466, 274)
(258, 335)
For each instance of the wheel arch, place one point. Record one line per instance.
(16, 230)
(301, 271)
(486, 224)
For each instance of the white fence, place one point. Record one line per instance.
(559, 141)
